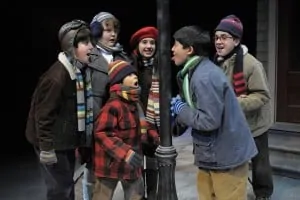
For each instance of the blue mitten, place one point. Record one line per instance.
(173, 101)
(178, 105)
(172, 111)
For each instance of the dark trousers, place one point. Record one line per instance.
(150, 175)
(150, 182)
(262, 180)
(59, 177)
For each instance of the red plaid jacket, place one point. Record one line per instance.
(118, 131)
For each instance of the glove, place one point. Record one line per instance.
(134, 159)
(48, 157)
(177, 130)
(157, 141)
(84, 154)
(149, 149)
(178, 105)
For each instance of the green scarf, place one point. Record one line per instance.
(183, 79)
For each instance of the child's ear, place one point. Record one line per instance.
(190, 50)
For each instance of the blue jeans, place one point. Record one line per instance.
(88, 181)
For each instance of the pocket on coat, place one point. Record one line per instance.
(204, 149)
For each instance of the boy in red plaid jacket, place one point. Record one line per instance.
(120, 130)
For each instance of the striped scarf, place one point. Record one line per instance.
(89, 123)
(84, 105)
(152, 111)
(131, 94)
(80, 100)
(239, 82)
(148, 62)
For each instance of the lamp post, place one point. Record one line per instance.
(166, 152)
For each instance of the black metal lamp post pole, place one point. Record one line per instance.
(166, 153)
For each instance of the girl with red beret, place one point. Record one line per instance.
(143, 43)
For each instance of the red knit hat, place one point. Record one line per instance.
(145, 32)
(232, 25)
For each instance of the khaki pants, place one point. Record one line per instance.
(105, 187)
(224, 185)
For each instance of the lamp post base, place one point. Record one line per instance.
(166, 157)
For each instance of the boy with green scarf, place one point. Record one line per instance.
(222, 140)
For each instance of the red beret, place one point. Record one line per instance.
(146, 32)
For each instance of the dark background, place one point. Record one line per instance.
(46, 22)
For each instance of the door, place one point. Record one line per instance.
(288, 74)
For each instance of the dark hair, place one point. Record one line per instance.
(83, 35)
(194, 36)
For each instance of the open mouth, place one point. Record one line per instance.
(148, 51)
(136, 83)
(173, 57)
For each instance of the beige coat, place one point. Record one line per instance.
(257, 104)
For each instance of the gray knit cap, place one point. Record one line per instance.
(100, 17)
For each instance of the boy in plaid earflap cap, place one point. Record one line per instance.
(120, 130)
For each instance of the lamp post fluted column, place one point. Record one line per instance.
(166, 152)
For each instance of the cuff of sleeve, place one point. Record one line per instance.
(123, 153)
(129, 155)
(46, 146)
